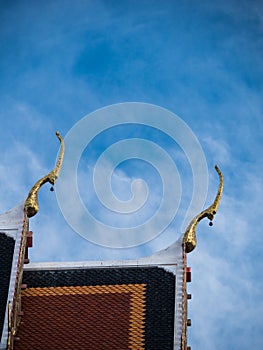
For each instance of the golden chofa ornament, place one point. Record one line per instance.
(189, 240)
(31, 203)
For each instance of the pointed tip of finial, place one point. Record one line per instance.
(218, 170)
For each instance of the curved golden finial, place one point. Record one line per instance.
(189, 240)
(31, 203)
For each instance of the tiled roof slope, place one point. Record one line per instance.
(104, 305)
(12, 230)
(114, 308)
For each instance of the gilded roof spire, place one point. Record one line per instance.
(189, 240)
(31, 203)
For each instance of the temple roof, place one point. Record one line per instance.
(95, 305)
(127, 304)
(132, 304)
(113, 308)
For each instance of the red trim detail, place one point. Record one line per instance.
(188, 274)
(29, 239)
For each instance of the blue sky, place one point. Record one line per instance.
(201, 60)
